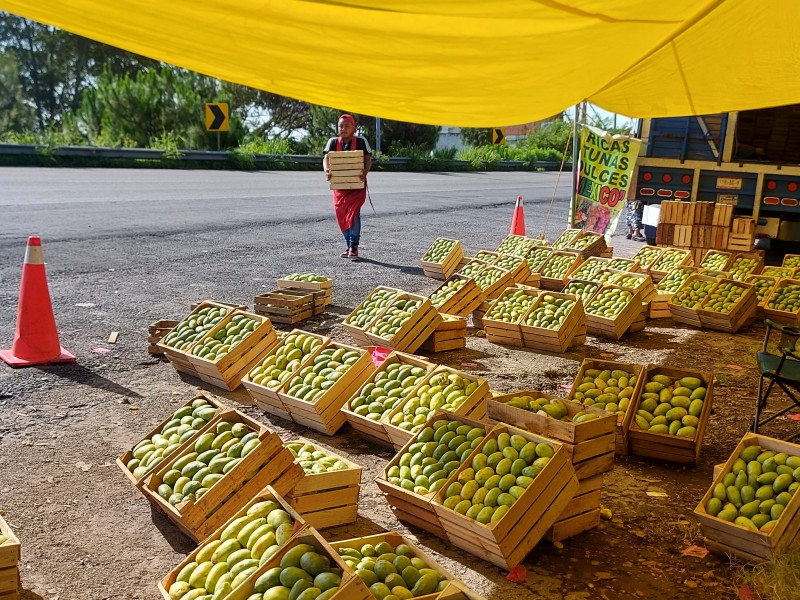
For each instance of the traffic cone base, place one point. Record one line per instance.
(36, 339)
(12, 361)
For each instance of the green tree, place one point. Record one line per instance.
(142, 109)
(15, 113)
(472, 136)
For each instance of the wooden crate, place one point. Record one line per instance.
(323, 291)
(466, 299)
(487, 256)
(720, 236)
(450, 334)
(324, 414)
(780, 272)
(723, 213)
(447, 267)
(670, 258)
(665, 233)
(683, 236)
(268, 399)
(519, 245)
(741, 242)
(375, 431)
(743, 310)
(756, 258)
(702, 235)
(690, 315)
(517, 266)
(180, 358)
(791, 261)
(671, 447)
(623, 420)
(265, 495)
(408, 506)
(327, 499)
(227, 371)
(494, 290)
(646, 256)
(469, 267)
(395, 539)
(592, 286)
(557, 284)
(122, 461)
(268, 464)
(587, 243)
(677, 275)
(704, 213)
(589, 445)
(727, 257)
(506, 542)
(554, 340)
(286, 305)
(478, 313)
(769, 284)
(565, 237)
(501, 332)
(726, 538)
(474, 406)
(346, 169)
(359, 332)
(155, 332)
(590, 267)
(582, 513)
(783, 317)
(658, 308)
(640, 283)
(537, 258)
(10, 556)
(416, 329)
(617, 327)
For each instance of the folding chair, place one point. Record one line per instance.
(782, 370)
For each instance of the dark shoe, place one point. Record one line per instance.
(628, 236)
(638, 238)
(354, 254)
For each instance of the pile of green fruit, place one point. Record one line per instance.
(509, 262)
(313, 460)
(565, 239)
(442, 391)
(742, 267)
(393, 572)
(550, 312)
(537, 257)
(313, 380)
(589, 269)
(374, 305)
(510, 307)
(304, 573)
(609, 302)
(215, 453)
(184, 423)
(231, 334)
(519, 245)
(558, 265)
(671, 406)
(438, 451)
(583, 289)
(785, 298)
(439, 251)
(194, 327)
(607, 389)
(791, 261)
(501, 471)
(756, 491)
(472, 268)
(488, 276)
(550, 407)
(391, 385)
(780, 272)
(629, 280)
(587, 240)
(487, 256)
(717, 274)
(674, 280)
(715, 261)
(647, 255)
(724, 298)
(225, 563)
(692, 293)
(669, 259)
(762, 286)
(622, 264)
(447, 291)
(284, 360)
(311, 277)
(390, 322)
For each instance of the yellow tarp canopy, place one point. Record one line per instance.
(478, 63)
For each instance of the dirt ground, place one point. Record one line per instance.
(87, 533)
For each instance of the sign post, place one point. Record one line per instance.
(217, 118)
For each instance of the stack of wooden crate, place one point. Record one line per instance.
(696, 225)
(743, 234)
(346, 170)
(9, 563)
(323, 291)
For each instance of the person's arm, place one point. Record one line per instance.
(326, 167)
(367, 166)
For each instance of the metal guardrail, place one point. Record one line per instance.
(210, 155)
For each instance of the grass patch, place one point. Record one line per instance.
(775, 580)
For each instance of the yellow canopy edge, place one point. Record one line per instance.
(468, 63)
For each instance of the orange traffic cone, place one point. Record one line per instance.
(36, 339)
(518, 220)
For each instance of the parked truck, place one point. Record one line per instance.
(749, 159)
